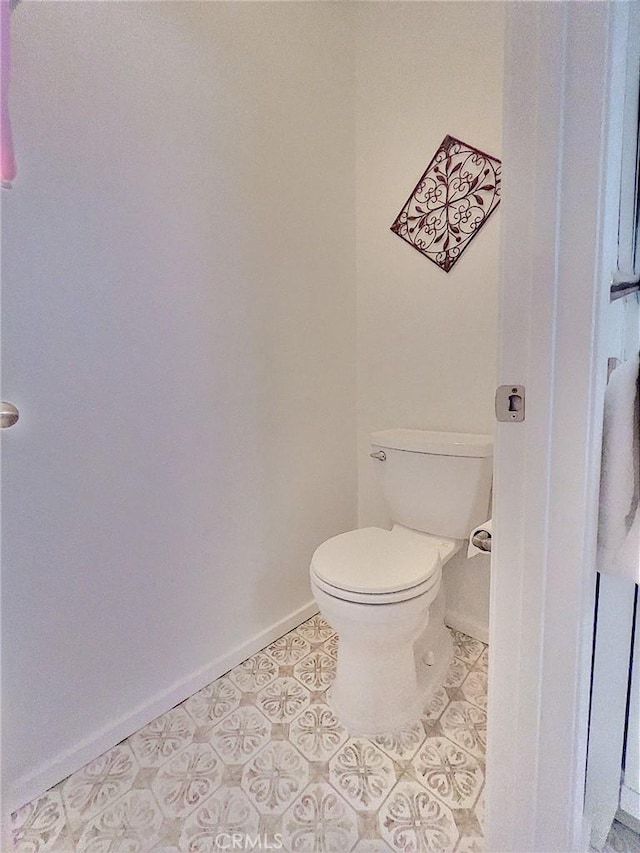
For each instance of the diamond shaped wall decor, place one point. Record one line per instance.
(452, 201)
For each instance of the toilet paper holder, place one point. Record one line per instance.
(482, 540)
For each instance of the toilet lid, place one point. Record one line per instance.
(373, 561)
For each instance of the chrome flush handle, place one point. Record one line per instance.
(380, 454)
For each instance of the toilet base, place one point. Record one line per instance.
(433, 651)
(394, 699)
(408, 704)
(388, 669)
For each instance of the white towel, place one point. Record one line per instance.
(619, 521)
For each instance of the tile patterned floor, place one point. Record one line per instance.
(259, 753)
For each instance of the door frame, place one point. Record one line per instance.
(560, 154)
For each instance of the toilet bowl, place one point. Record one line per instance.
(376, 587)
(381, 589)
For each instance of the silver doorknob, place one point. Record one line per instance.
(8, 415)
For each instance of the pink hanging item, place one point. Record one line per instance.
(7, 157)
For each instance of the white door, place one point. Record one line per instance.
(107, 353)
(557, 218)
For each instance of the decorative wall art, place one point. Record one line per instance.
(451, 203)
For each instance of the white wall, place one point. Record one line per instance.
(180, 315)
(179, 335)
(427, 340)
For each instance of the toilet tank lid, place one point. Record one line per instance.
(439, 443)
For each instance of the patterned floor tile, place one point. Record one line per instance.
(254, 673)
(370, 845)
(187, 779)
(436, 706)
(414, 820)
(209, 705)
(162, 738)
(315, 630)
(362, 773)
(449, 772)
(37, 827)
(467, 823)
(474, 688)
(479, 810)
(457, 673)
(470, 845)
(274, 778)
(317, 733)
(316, 671)
(402, 745)
(331, 646)
(131, 823)
(466, 648)
(319, 820)
(241, 734)
(483, 660)
(258, 757)
(99, 784)
(466, 725)
(289, 649)
(211, 827)
(283, 700)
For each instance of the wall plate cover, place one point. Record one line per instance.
(510, 403)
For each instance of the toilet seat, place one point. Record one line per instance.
(378, 598)
(376, 566)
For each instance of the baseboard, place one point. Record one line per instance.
(629, 808)
(466, 626)
(628, 820)
(40, 780)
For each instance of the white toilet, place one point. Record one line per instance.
(381, 589)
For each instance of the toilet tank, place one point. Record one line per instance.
(436, 482)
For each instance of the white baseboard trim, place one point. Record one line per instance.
(628, 820)
(40, 780)
(630, 806)
(466, 626)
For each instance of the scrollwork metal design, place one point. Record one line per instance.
(451, 202)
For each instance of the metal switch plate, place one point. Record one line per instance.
(510, 401)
